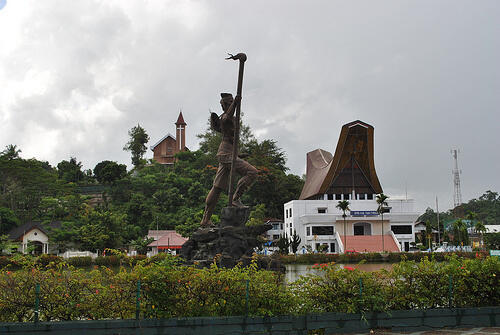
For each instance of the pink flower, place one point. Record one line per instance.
(96, 291)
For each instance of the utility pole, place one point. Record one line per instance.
(437, 212)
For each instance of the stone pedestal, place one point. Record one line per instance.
(231, 242)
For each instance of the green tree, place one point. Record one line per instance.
(6, 245)
(382, 207)
(257, 215)
(106, 172)
(70, 171)
(283, 244)
(295, 242)
(344, 206)
(492, 240)
(137, 144)
(24, 182)
(480, 228)
(8, 220)
(101, 229)
(460, 233)
(141, 245)
(431, 216)
(428, 235)
(11, 152)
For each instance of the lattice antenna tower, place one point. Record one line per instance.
(457, 193)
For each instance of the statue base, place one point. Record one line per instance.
(228, 244)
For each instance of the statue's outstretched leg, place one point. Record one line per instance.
(210, 203)
(249, 173)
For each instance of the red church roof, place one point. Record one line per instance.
(180, 120)
(369, 243)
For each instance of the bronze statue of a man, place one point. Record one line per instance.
(225, 124)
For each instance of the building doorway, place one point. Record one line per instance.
(362, 228)
(37, 247)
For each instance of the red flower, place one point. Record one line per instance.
(96, 291)
(348, 268)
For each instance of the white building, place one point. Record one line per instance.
(33, 234)
(348, 175)
(278, 229)
(319, 222)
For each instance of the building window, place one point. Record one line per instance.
(370, 196)
(291, 231)
(276, 226)
(361, 196)
(286, 213)
(401, 229)
(330, 196)
(291, 224)
(332, 248)
(338, 196)
(308, 231)
(290, 212)
(322, 230)
(276, 237)
(281, 226)
(322, 210)
(346, 196)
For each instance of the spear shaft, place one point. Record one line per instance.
(242, 58)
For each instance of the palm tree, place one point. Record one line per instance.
(480, 228)
(460, 234)
(344, 206)
(382, 201)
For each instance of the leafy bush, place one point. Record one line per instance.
(83, 261)
(168, 289)
(345, 290)
(45, 260)
(107, 260)
(375, 257)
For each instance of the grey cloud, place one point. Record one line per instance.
(423, 73)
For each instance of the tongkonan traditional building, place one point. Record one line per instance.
(349, 175)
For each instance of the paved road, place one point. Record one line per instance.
(444, 331)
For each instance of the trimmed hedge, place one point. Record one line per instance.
(375, 257)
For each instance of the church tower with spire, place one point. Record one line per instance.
(180, 132)
(165, 149)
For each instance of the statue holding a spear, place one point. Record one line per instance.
(228, 124)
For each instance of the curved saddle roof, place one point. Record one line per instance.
(352, 166)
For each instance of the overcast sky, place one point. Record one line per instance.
(77, 75)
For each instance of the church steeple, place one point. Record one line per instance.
(180, 132)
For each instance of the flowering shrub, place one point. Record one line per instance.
(168, 289)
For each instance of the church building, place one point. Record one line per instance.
(165, 149)
(349, 175)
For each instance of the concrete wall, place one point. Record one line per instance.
(288, 324)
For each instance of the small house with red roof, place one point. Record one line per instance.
(165, 149)
(165, 241)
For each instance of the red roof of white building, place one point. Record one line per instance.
(169, 239)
